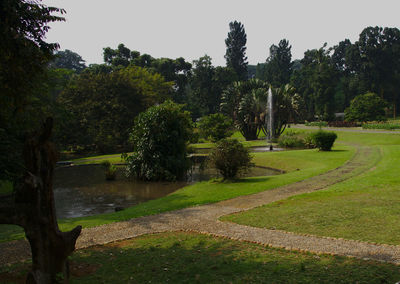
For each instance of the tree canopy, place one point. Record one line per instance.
(236, 49)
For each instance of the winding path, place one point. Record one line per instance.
(204, 219)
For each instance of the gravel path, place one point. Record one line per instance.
(204, 219)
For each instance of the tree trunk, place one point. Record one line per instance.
(33, 209)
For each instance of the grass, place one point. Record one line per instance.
(193, 258)
(297, 164)
(365, 208)
(114, 159)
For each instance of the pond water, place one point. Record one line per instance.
(83, 191)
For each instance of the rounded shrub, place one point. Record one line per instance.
(230, 158)
(215, 127)
(323, 140)
(160, 137)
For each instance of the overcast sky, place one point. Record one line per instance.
(190, 29)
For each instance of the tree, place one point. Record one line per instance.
(288, 106)
(215, 126)
(375, 59)
(103, 106)
(245, 102)
(160, 137)
(278, 67)
(23, 60)
(68, 60)
(236, 49)
(316, 81)
(366, 107)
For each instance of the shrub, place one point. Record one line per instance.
(215, 127)
(110, 170)
(366, 107)
(385, 126)
(342, 124)
(323, 140)
(230, 158)
(317, 123)
(160, 137)
(291, 140)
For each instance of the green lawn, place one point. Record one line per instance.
(193, 258)
(298, 165)
(366, 207)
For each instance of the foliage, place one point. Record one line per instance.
(342, 124)
(288, 107)
(367, 107)
(317, 123)
(110, 170)
(101, 107)
(230, 158)
(160, 136)
(278, 66)
(292, 139)
(23, 60)
(215, 126)
(176, 70)
(315, 81)
(203, 93)
(68, 59)
(245, 102)
(381, 125)
(323, 140)
(236, 49)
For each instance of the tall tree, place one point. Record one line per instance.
(278, 67)
(315, 81)
(236, 49)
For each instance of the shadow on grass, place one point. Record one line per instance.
(192, 258)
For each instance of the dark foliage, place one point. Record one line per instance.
(230, 158)
(160, 136)
(323, 140)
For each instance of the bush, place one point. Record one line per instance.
(215, 127)
(230, 158)
(342, 124)
(367, 107)
(110, 170)
(385, 126)
(323, 140)
(160, 137)
(316, 123)
(291, 140)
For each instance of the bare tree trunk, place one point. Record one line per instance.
(32, 207)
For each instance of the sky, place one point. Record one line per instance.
(191, 29)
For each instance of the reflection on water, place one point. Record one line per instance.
(83, 190)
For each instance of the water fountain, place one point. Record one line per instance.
(270, 119)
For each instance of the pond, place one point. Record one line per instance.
(83, 191)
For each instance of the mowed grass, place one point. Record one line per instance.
(297, 164)
(192, 258)
(366, 207)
